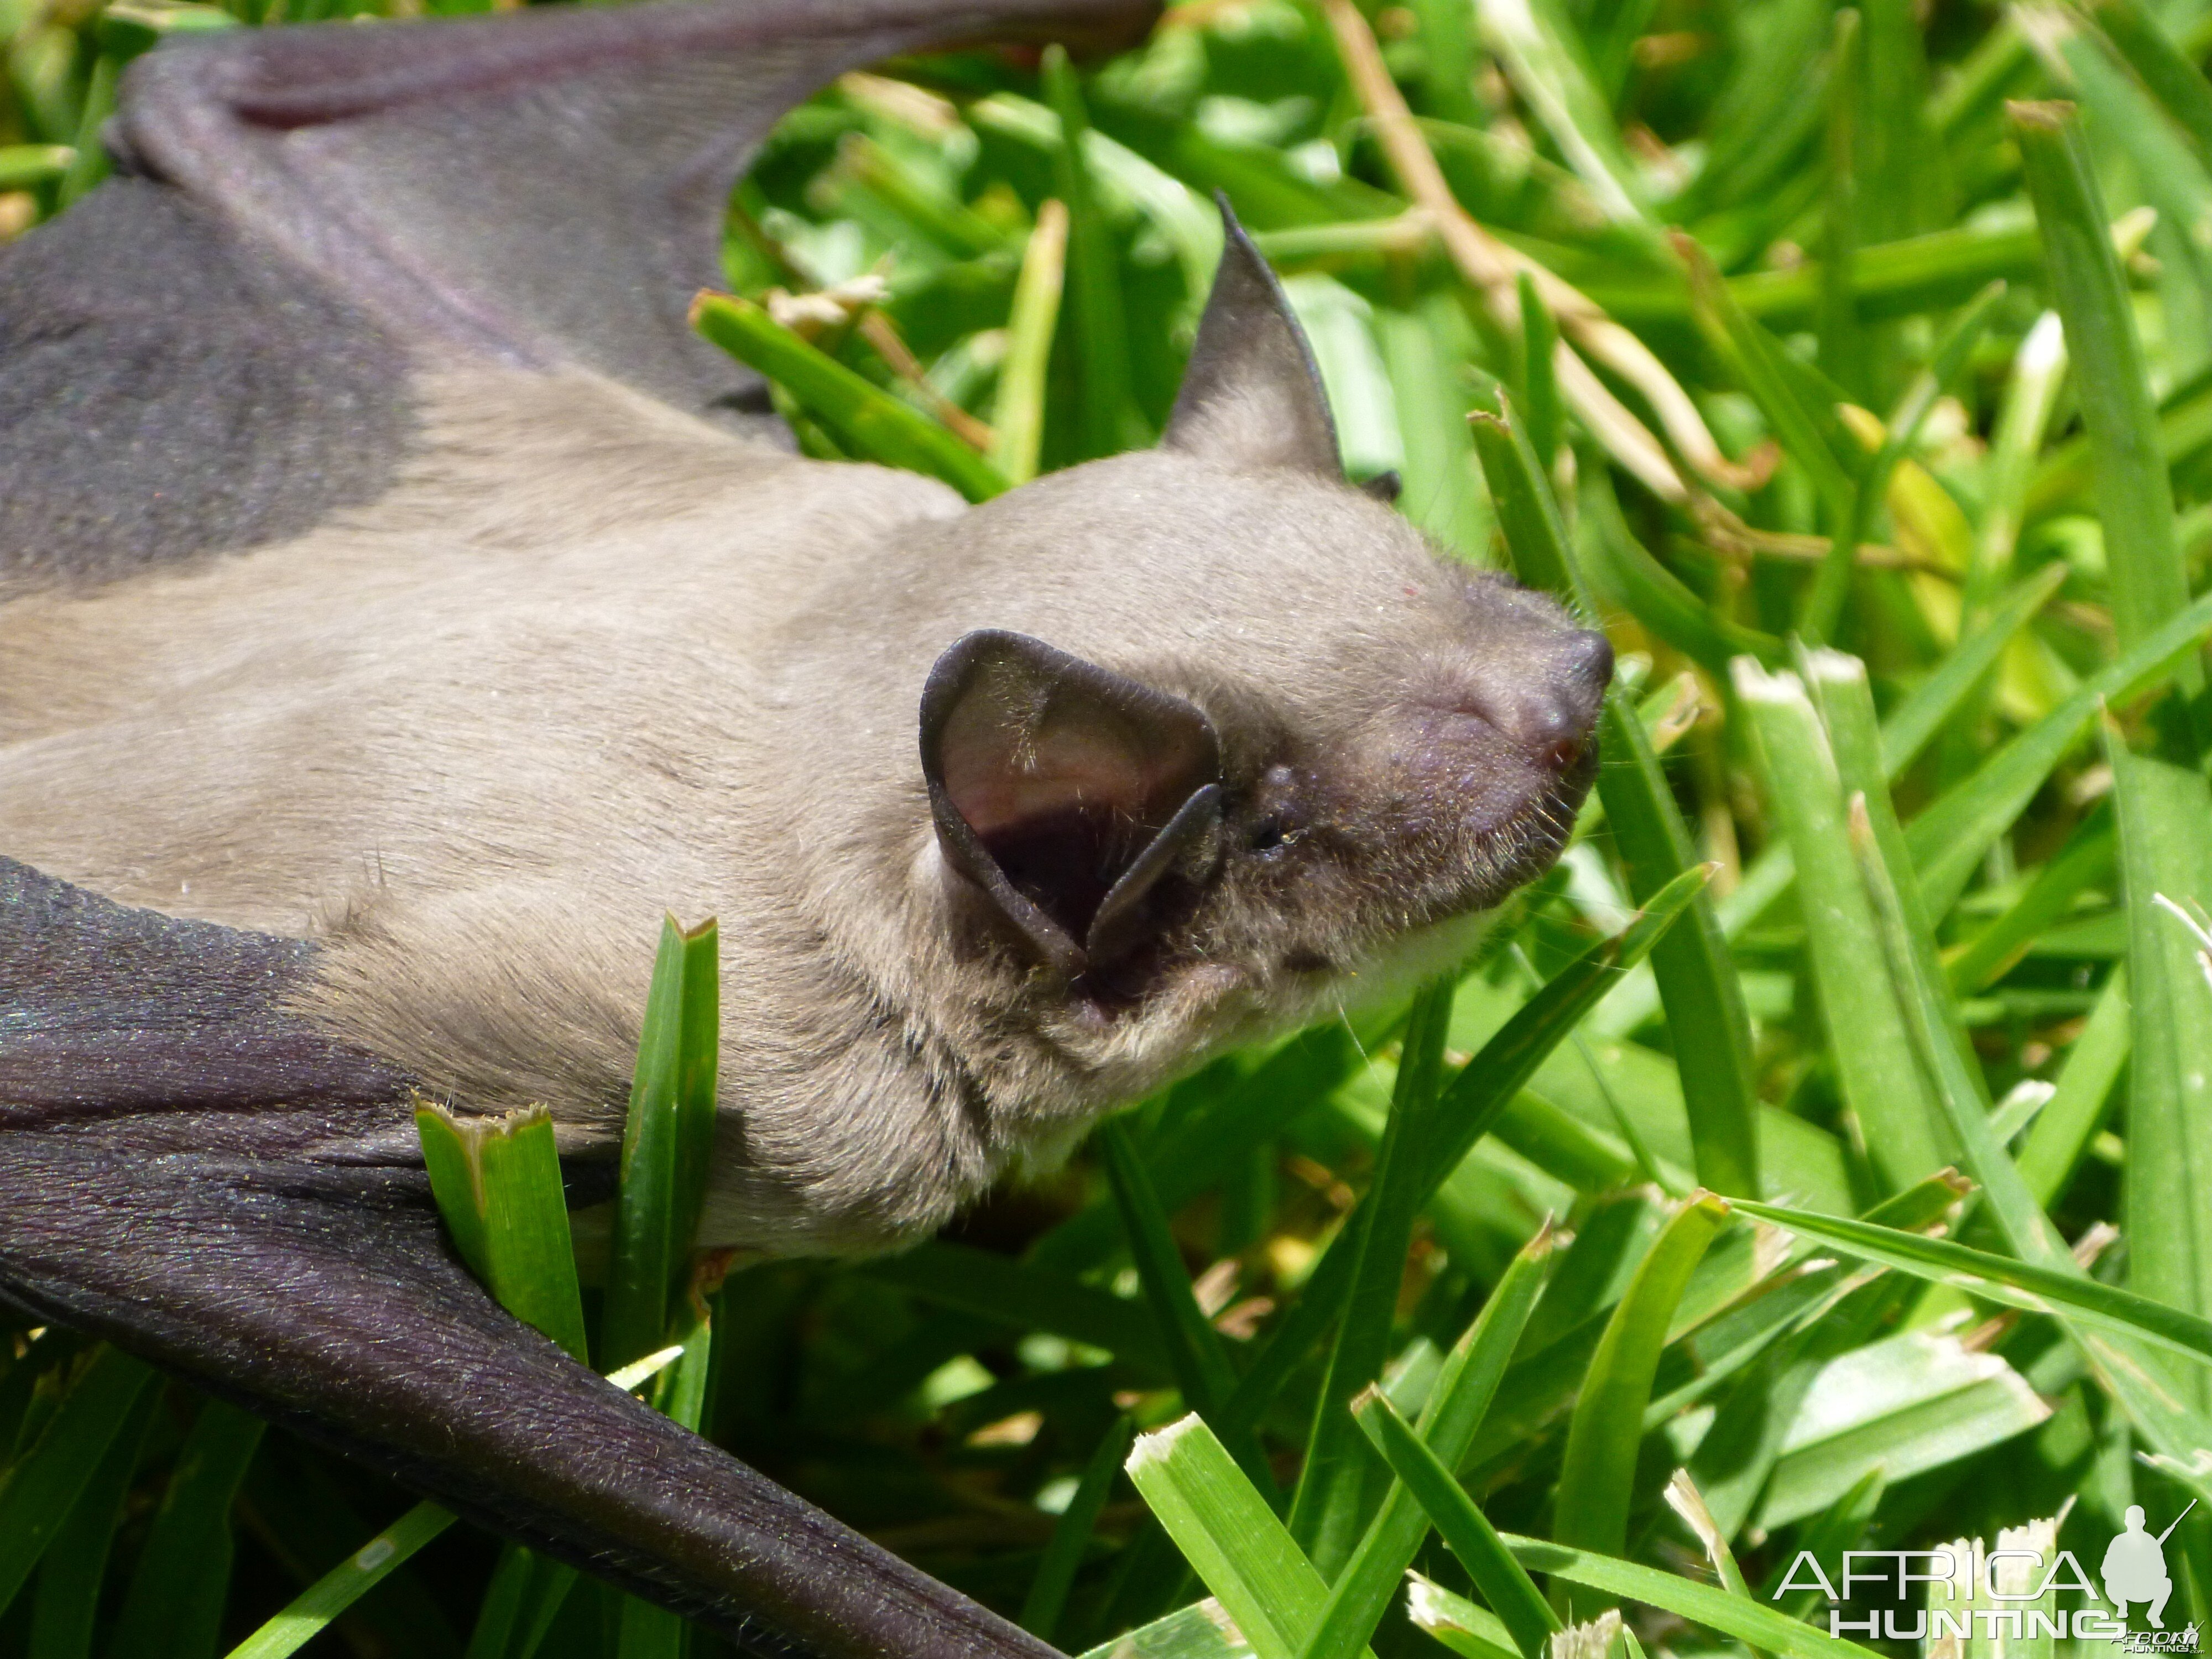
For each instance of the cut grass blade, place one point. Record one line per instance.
(497, 1181)
(867, 421)
(1226, 1531)
(1687, 1502)
(1202, 1631)
(1455, 1622)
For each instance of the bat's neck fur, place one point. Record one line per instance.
(586, 634)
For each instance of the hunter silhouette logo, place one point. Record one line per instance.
(2134, 1567)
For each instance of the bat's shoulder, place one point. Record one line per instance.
(167, 389)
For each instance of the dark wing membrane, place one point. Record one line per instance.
(216, 353)
(543, 187)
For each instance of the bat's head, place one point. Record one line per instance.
(1238, 740)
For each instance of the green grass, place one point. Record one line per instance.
(1908, 587)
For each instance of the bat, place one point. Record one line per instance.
(397, 603)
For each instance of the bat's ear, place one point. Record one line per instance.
(1065, 793)
(1251, 398)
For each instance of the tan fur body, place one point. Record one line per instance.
(594, 659)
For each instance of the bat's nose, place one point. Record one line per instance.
(1588, 658)
(1548, 709)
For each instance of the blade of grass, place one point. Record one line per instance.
(1540, 380)
(1755, 357)
(1466, 1532)
(1845, 696)
(1226, 1531)
(1939, 698)
(46, 1482)
(1018, 417)
(1698, 982)
(525, 1595)
(66, 1603)
(2063, 1129)
(1686, 1501)
(1101, 334)
(1427, 349)
(2135, 498)
(1823, 603)
(2165, 817)
(1455, 1622)
(1199, 1363)
(1024, 1294)
(322, 1601)
(1597, 1472)
(1751, 1623)
(649, 1631)
(1843, 354)
(1072, 1533)
(2031, 397)
(1542, 57)
(1470, 1105)
(1462, 1394)
(1328, 1508)
(1947, 839)
(2151, 53)
(1202, 1631)
(1875, 1068)
(2015, 1283)
(1191, 1158)
(2087, 857)
(2170, 1422)
(867, 421)
(667, 1143)
(175, 1603)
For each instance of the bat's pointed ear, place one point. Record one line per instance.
(1251, 398)
(1065, 793)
